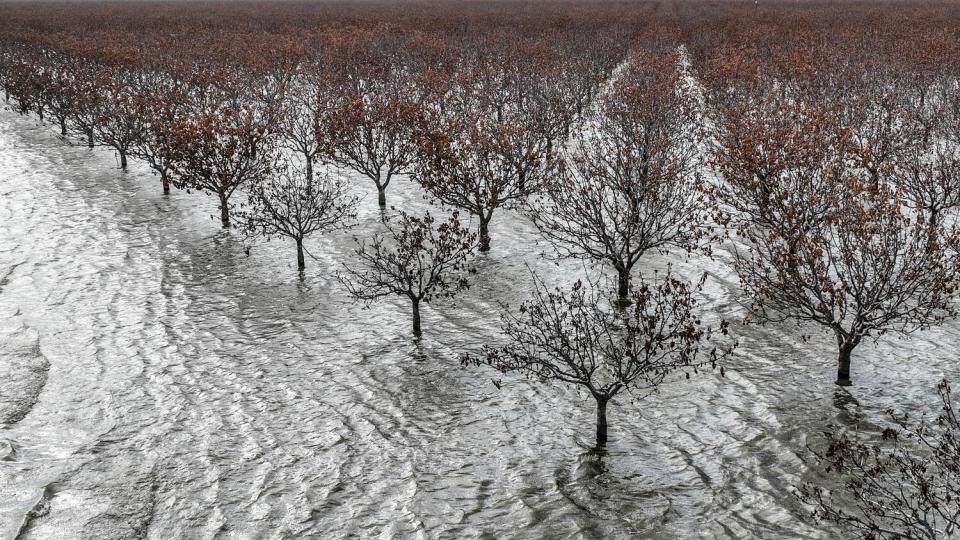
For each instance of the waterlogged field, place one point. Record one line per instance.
(160, 380)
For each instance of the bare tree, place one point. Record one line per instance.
(299, 124)
(883, 127)
(218, 150)
(160, 110)
(120, 124)
(477, 164)
(825, 245)
(294, 204)
(931, 177)
(630, 182)
(417, 258)
(88, 104)
(576, 338)
(906, 485)
(369, 133)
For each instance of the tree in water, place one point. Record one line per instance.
(630, 182)
(120, 125)
(88, 103)
(302, 110)
(161, 108)
(825, 243)
(931, 177)
(218, 150)
(294, 204)
(370, 133)
(576, 338)
(477, 164)
(906, 485)
(417, 257)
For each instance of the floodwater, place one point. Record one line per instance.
(157, 381)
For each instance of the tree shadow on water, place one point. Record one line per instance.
(848, 408)
(592, 465)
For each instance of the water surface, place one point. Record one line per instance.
(157, 381)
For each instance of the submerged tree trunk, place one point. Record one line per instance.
(301, 264)
(623, 285)
(602, 420)
(416, 317)
(224, 211)
(484, 235)
(843, 364)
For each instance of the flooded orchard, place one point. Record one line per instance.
(163, 378)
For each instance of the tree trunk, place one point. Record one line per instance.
(382, 196)
(224, 211)
(301, 264)
(165, 182)
(90, 138)
(623, 286)
(602, 420)
(484, 235)
(123, 159)
(63, 128)
(843, 365)
(309, 162)
(416, 317)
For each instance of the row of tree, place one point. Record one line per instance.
(835, 175)
(839, 191)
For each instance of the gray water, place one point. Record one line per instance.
(156, 381)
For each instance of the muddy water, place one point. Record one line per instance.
(157, 381)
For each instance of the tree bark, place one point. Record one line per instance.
(90, 138)
(224, 211)
(165, 182)
(416, 317)
(843, 364)
(309, 162)
(623, 285)
(484, 235)
(63, 128)
(301, 264)
(123, 159)
(602, 420)
(382, 196)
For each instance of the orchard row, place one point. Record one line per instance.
(822, 144)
